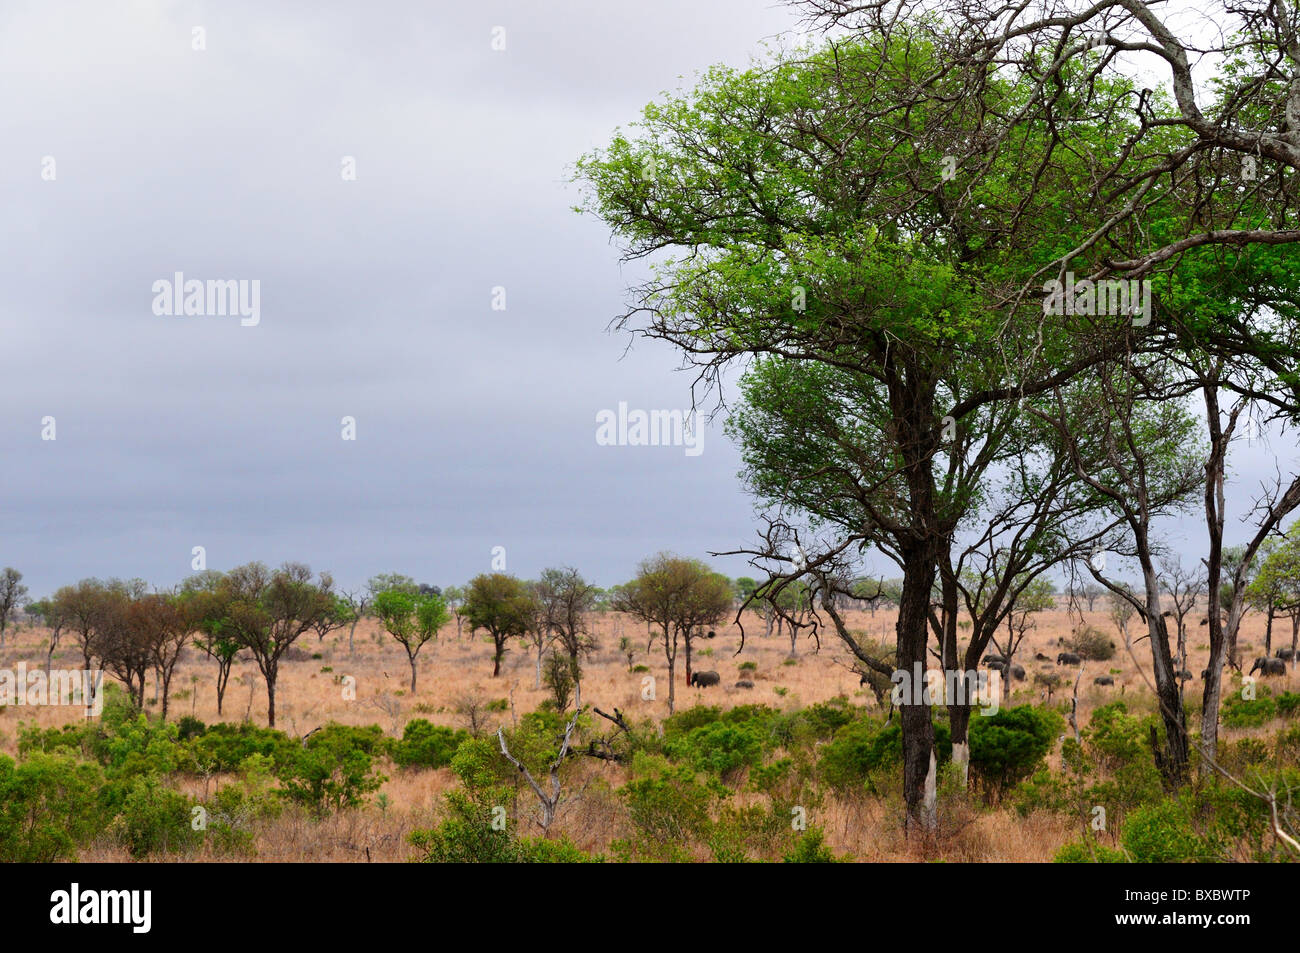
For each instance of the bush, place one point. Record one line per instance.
(189, 727)
(864, 746)
(669, 809)
(720, 747)
(223, 747)
(1239, 712)
(1081, 852)
(1006, 748)
(1091, 644)
(155, 819)
(1163, 833)
(560, 674)
(333, 769)
(811, 849)
(426, 745)
(468, 836)
(49, 806)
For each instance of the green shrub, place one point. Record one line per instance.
(1081, 852)
(334, 768)
(811, 849)
(1239, 712)
(1005, 748)
(468, 836)
(686, 721)
(862, 747)
(1164, 833)
(426, 745)
(49, 806)
(189, 727)
(669, 809)
(223, 747)
(155, 819)
(1288, 703)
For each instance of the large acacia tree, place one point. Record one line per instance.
(820, 227)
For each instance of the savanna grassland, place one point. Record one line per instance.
(693, 787)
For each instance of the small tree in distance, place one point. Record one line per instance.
(503, 606)
(412, 620)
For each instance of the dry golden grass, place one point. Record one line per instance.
(309, 695)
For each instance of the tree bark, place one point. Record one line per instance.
(918, 732)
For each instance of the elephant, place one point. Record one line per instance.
(744, 683)
(1285, 655)
(705, 679)
(1268, 666)
(1103, 680)
(1068, 658)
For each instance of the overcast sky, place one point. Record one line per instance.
(475, 428)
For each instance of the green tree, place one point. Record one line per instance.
(502, 605)
(681, 597)
(412, 620)
(12, 593)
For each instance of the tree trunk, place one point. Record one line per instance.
(670, 653)
(1214, 504)
(1168, 687)
(223, 676)
(1268, 634)
(166, 691)
(351, 632)
(500, 646)
(918, 733)
(537, 676)
(959, 707)
(270, 700)
(411, 658)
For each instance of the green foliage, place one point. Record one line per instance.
(863, 747)
(1081, 852)
(224, 746)
(469, 836)
(742, 834)
(668, 808)
(426, 745)
(721, 747)
(1238, 712)
(811, 848)
(49, 805)
(1288, 703)
(155, 819)
(1005, 748)
(560, 674)
(334, 768)
(1165, 833)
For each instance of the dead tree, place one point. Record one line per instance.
(549, 802)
